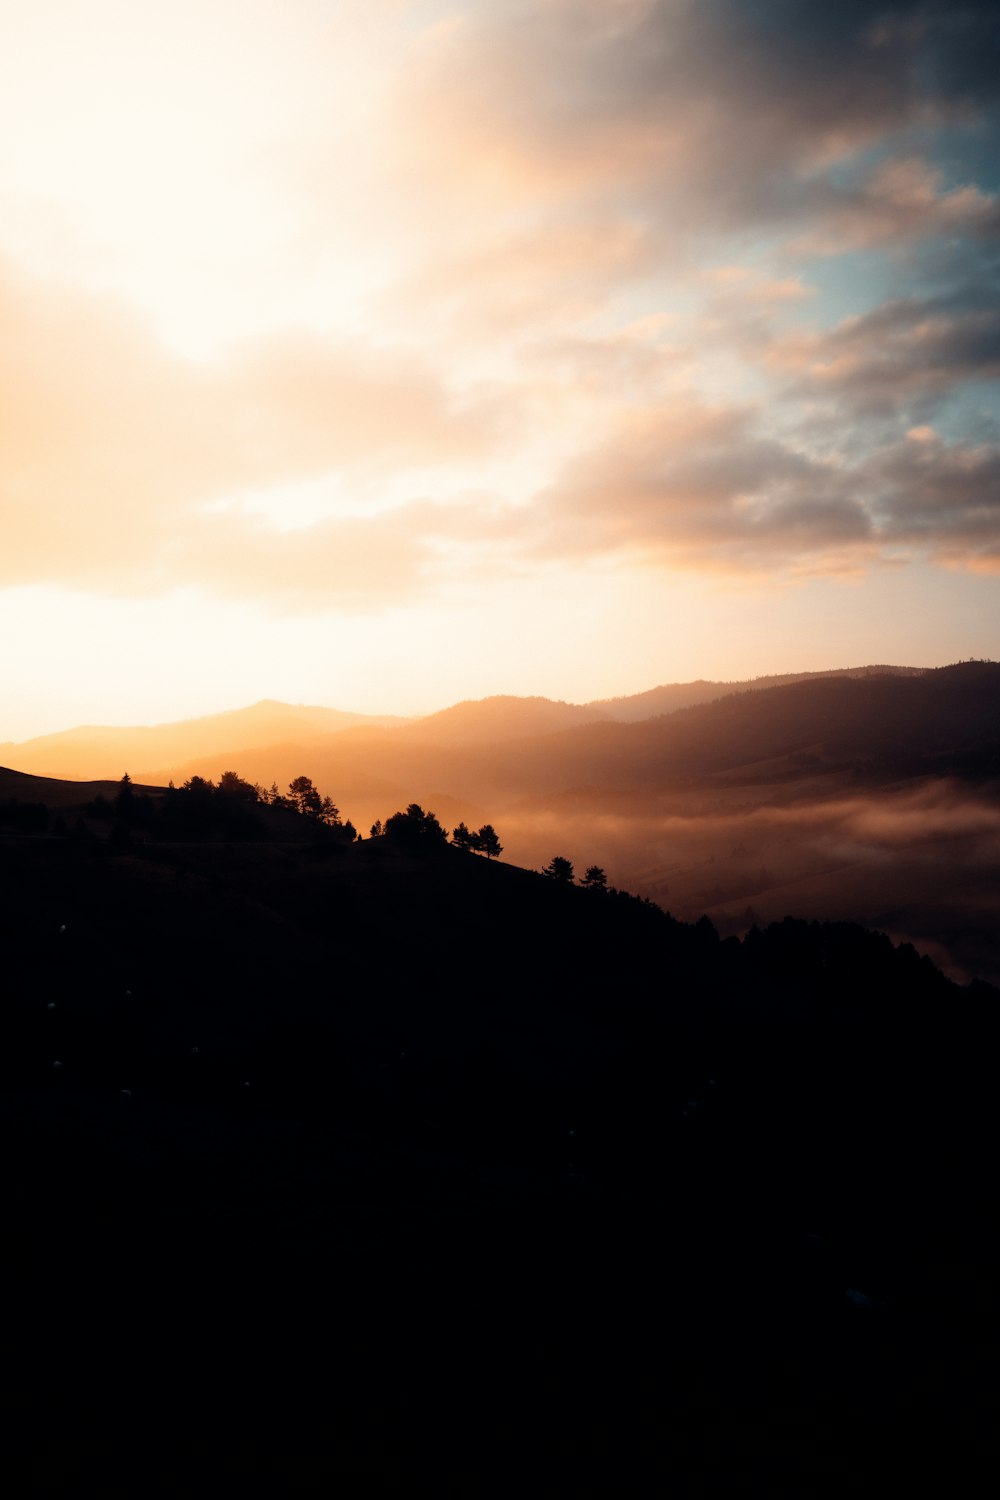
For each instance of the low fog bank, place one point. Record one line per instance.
(920, 863)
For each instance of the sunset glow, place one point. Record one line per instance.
(382, 355)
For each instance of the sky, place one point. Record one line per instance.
(385, 354)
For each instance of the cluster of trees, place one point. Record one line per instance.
(201, 809)
(561, 870)
(412, 829)
(303, 798)
(416, 829)
(484, 841)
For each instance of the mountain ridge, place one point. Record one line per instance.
(832, 796)
(88, 751)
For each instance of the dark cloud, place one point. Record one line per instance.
(941, 497)
(738, 104)
(903, 356)
(903, 202)
(704, 487)
(960, 55)
(709, 489)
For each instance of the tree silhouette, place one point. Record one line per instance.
(595, 879)
(415, 829)
(487, 842)
(124, 803)
(232, 785)
(463, 838)
(132, 808)
(304, 797)
(200, 787)
(560, 870)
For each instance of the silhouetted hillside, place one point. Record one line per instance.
(59, 795)
(521, 1161)
(948, 718)
(674, 695)
(496, 720)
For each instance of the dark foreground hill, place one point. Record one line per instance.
(354, 1169)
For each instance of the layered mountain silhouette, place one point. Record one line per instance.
(843, 795)
(95, 750)
(671, 696)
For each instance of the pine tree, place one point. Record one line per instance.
(488, 843)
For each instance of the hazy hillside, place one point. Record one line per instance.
(500, 719)
(57, 794)
(944, 720)
(672, 696)
(96, 751)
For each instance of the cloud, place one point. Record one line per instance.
(111, 446)
(731, 108)
(942, 497)
(704, 487)
(905, 354)
(551, 206)
(511, 281)
(903, 201)
(710, 489)
(554, 165)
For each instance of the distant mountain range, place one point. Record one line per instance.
(871, 794)
(97, 751)
(675, 695)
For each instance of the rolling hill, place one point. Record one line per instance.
(97, 751)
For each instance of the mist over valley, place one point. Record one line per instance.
(869, 794)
